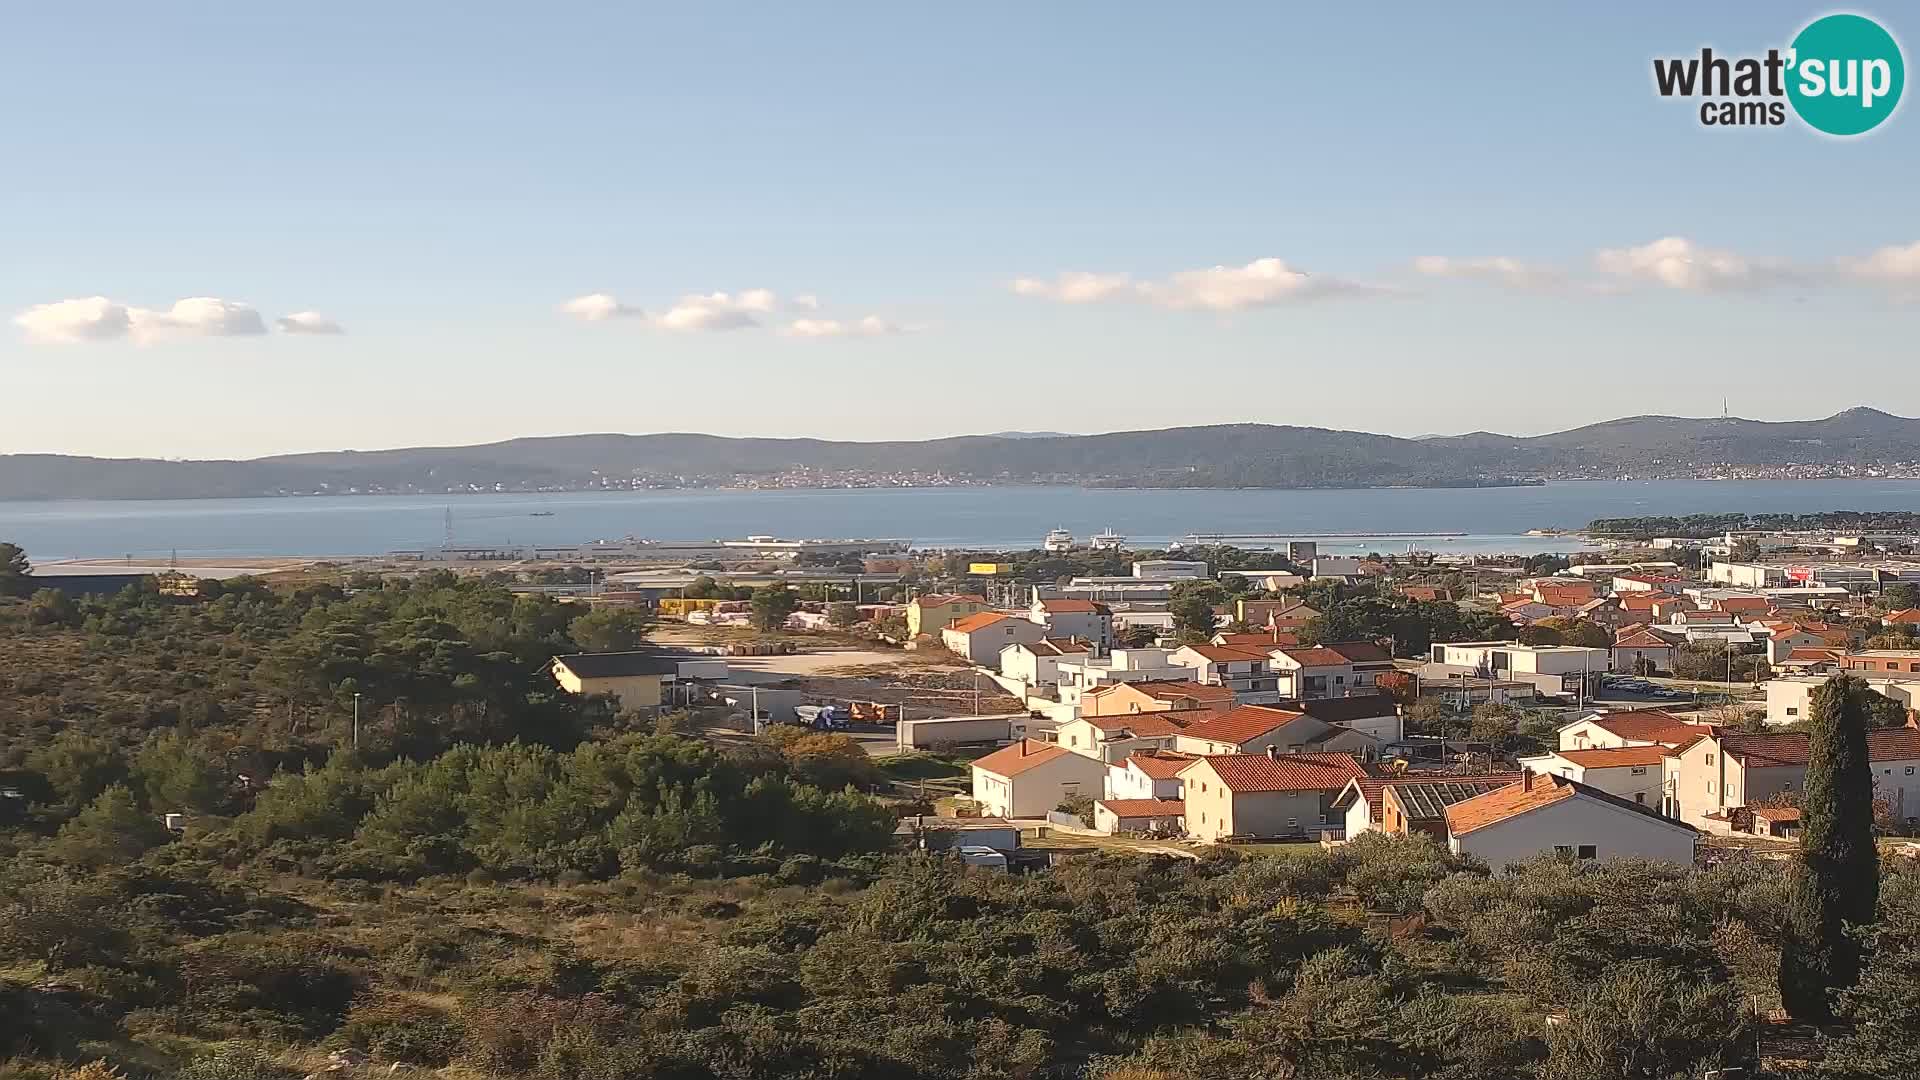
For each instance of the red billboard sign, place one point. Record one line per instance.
(1802, 574)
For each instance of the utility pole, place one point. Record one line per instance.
(356, 719)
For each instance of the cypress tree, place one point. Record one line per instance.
(1835, 880)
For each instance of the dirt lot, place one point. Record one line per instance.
(831, 673)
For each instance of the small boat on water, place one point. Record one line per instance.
(1058, 540)
(541, 513)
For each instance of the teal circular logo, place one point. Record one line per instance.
(1846, 74)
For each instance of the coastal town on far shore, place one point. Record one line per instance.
(1644, 697)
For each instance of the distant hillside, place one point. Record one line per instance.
(1226, 455)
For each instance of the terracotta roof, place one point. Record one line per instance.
(1615, 757)
(1743, 603)
(1530, 795)
(1065, 646)
(1222, 654)
(1150, 725)
(1243, 773)
(1425, 593)
(1159, 764)
(946, 599)
(1320, 656)
(1904, 615)
(1811, 653)
(1071, 607)
(1239, 725)
(1774, 750)
(1343, 709)
(1649, 725)
(1011, 761)
(1174, 689)
(1639, 637)
(977, 621)
(1427, 799)
(1631, 601)
(1137, 808)
(1258, 641)
(1365, 787)
(1776, 813)
(1360, 652)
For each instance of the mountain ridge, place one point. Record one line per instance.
(1211, 455)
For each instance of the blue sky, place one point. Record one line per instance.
(438, 181)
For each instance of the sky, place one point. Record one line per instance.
(242, 229)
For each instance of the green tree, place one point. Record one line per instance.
(843, 614)
(772, 605)
(110, 831)
(176, 774)
(608, 629)
(51, 607)
(1835, 880)
(16, 573)
(1193, 616)
(78, 766)
(1900, 596)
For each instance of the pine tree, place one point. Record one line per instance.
(1836, 879)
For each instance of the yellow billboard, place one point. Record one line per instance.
(990, 569)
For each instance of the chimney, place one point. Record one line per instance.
(1273, 752)
(1526, 778)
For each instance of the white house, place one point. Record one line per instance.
(1088, 620)
(1501, 657)
(1240, 669)
(1552, 814)
(1123, 665)
(1028, 778)
(1375, 715)
(980, 637)
(1037, 663)
(1634, 773)
(1147, 774)
(1639, 727)
(1264, 795)
(1335, 669)
(1140, 815)
(1112, 738)
(1258, 729)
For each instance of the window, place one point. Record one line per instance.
(1709, 759)
(1640, 797)
(1637, 770)
(1073, 740)
(1589, 851)
(1323, 819)
(1709, 787)
(1293, 823)
(1792, 711)
(1563, 850)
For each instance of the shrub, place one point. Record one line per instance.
(394, 1028)
(235, 1063)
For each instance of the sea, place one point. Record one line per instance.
(1464, 520)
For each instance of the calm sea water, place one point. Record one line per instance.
(1008, 517)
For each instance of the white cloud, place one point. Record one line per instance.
(308, 322)
(804, 302)
(718, 311)
(1497, 268)
(598, 307)
(1893, 265)
(1261, 283)
(70, 322)
(96, 318)
(1076, 287)
(871, 326)
(1675, 262)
